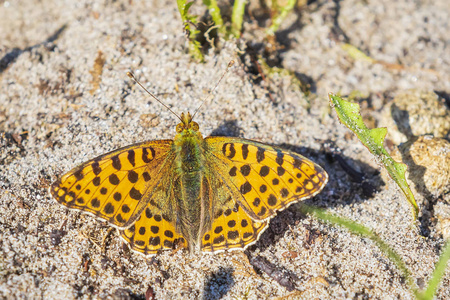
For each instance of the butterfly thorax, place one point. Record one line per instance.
(189, 164)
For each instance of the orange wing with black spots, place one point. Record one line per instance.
(264, 179)
(152, 232)
(155, 229)
(231, 228)
(116, 186)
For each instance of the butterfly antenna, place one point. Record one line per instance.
(230, 64)
(131, 75)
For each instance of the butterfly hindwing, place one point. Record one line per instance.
(151, 233)
(230, 227)
(114, 186)
(156, 228)
(265, 179)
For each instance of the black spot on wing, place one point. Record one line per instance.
(264, 171)
(148, 154)
(260, 155)
(79, 174)
(113, 179)
(125, 208)
(96, 168)
(95, 203)
(228, 150)
(244, 151)
(245, 188)
(116, 162)
(109, 208)
(245, 170)
(133, 176)
(132, 157)
(135, 194)
(146, 176)
(96, 181)
(117, 196)
(279, 158)
(154, 241)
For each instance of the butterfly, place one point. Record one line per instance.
(206, 194)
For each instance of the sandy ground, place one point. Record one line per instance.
(65, 98)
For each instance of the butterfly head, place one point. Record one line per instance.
(187, 125)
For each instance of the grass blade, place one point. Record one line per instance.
(190, 25)
(237, 17)
(437, 275)
(280, 15)
(214, 11)
(364, 232)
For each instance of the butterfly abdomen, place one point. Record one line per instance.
(189, 169)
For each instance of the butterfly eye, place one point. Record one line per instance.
(194, 126)
(179, 128)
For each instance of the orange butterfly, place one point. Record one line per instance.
(210, 194)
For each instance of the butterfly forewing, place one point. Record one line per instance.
(267, 178)
(114, 186)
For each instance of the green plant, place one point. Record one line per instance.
(279, 13)
(348, 114)
(365, 232)
(191, 28)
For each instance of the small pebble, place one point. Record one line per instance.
(416, 113)
(428, 161)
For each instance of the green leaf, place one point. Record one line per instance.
(187, 6)
(356, 54)
(373, 139)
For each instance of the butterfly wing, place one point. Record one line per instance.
(117, 186)
(264, 179)
(155, 229)
(152, 232)
(231, 228)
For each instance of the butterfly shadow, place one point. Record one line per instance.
(218, 284)
(229, 129)
(350, 181)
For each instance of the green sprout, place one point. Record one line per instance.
(191, 28)
(280, 13)
(373, 139)
(214, 11)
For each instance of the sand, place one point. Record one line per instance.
(65, 98)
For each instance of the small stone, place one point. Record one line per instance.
(428, 161)
(416, 113)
